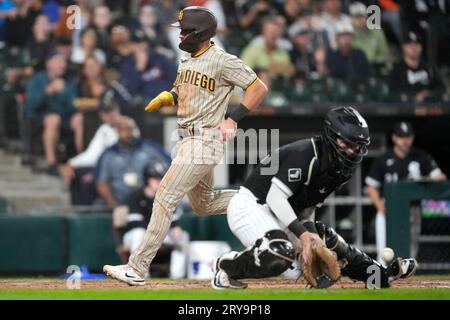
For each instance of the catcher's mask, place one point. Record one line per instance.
(197, 24)
(347, 125)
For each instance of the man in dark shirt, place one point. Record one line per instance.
(347, 63)
(146, 72)
(273, 213)
(133, 224)
(402, 162)
(412, 75)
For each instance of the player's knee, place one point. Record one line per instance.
(202, 207)
(277, 252)
(270, 256)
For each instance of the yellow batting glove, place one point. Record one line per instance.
(163, 99)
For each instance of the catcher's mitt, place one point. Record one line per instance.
(323, 269)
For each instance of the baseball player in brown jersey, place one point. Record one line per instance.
(205, 81)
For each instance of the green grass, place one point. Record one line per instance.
(209, 294)
(123, 293)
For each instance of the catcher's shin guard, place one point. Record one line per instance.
(356, 265)
(270, 256)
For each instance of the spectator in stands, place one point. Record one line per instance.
(329, 20)
(402, 162)
(252, 14)
(167, 10)
(293, 8)
(40, 43)
(49, 102)
(92, 84)
(347, 63)
(88, 47)
(119, 170)
(303, 56)
(120, 46)
(267, 54)
(146, 72)
(412, 75)
(371, 41)
(132, 220)
(102, 24)
(7, 9)
(14, 71)
(390, 18)
(78, 171)
(19, 22)
(85, 9)
(149, 28)
(318, 35)
(64, 45)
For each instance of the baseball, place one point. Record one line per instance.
(388, 254)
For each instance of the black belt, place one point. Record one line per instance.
(188, 132)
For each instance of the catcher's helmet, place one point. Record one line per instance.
(347, 124)
(199, 22)
(154, 170)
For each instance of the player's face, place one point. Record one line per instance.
(412, 50)
(184, 33)
(154, 183)
(403, 143)
(348, 147)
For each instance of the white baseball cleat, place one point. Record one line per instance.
(404, 268)
(221, 280)
(124, 273)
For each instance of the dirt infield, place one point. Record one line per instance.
(49, 284)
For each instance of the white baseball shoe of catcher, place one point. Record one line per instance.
(220, 279)
(124, 273)
(404, 268)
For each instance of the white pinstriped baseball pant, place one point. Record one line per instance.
(191, 173)
(249, 220)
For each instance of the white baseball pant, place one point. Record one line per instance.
(249, 220)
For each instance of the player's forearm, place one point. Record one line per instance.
(374, 194)
(277, 200)
(254, 95)
(438, 175)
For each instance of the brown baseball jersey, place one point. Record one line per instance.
(205, 83)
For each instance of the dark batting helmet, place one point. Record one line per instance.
(200, 25)
(154, 170)
(348, 125)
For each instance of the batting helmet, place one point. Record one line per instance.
(347, 124)
(154, 170)
(200, 25)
